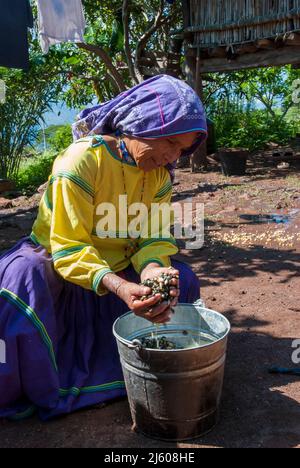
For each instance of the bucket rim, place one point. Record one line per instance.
(197, 306)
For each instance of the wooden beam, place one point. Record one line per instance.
(154, 71)
(246, 49)
(264, 58)
(267, 44)
(217, 52)
(292, 39)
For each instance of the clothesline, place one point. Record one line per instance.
(58, 21)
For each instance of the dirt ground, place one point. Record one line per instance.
(249, 270)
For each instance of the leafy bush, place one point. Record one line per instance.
(29, 96)
(35, 172)
(252, 129)
(61, 138)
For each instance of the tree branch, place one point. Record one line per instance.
(125, 15)
(108, 63)
(158, 22)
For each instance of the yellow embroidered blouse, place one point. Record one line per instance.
(85, 175)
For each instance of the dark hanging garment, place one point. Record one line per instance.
(15, 19)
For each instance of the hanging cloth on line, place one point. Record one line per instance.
(15, 19)
(60, 21)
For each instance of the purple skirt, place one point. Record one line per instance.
(58, 353)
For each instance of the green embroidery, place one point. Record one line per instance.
(98, 277)
(16, 301)
(147, 242)
(34, 239)
(47, 200)
(99, 140)
(164, 190)
(74, 178)
(65, 252)
(24, 414)
(75, 391)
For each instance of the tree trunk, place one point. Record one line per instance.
(199, 158)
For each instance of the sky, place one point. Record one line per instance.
(66, 115)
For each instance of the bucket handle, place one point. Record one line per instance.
(200, 302)
(136, 345)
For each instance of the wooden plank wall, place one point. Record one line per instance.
(237, 21)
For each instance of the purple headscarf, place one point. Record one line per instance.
(158, 107)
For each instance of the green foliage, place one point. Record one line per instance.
(60, 137)
(28, 97)
(34, 172)
(251, 129)
(253, 107)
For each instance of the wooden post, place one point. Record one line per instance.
(186, 11)
(198, 77)
(199, 158)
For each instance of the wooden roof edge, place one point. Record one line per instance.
(289, 37)
(244, 22)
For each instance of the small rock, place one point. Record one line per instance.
(5, 204)
(20, 201)
(245, 196)
(43, 188)
(283, 165)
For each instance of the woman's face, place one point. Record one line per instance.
(150, 154)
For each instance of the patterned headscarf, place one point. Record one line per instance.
(158, 107)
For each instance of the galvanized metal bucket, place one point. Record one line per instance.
(174, 394)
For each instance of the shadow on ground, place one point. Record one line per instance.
(255, 411)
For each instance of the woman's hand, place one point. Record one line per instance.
(153, 270)
(131, 293)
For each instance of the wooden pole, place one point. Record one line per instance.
(199, 158)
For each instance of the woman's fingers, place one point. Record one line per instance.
(158, 310)
(174, 292)
(164, 317)
(147, 303)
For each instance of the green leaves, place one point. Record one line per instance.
(75, 60)
(256, 104)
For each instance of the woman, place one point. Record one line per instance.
(62, 288)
